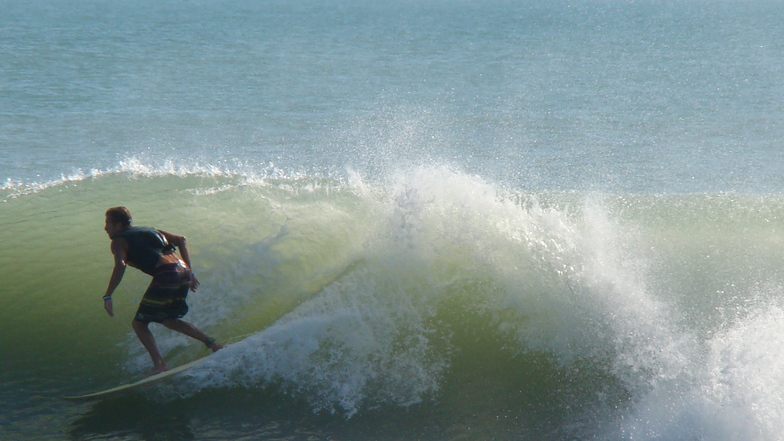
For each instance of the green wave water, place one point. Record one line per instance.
(432, 305)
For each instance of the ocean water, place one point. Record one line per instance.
(420, 220)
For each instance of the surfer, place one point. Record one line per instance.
(153, 252)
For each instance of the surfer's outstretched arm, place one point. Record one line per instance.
(117, 275)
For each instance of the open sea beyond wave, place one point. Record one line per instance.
(432, 220)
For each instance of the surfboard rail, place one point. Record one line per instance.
(128, 386)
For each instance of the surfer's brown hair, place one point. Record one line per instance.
(119, 215)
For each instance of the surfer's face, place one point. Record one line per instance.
(111, 228)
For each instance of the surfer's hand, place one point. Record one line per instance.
(109, 307)
(194, 282)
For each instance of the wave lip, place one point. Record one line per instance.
(136, 167)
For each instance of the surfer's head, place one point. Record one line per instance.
(117, 219)
(119, 215)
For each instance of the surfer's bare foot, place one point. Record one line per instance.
(157, 370)
(213, 345)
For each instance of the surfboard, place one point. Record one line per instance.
(148, 380)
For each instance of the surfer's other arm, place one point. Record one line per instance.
(182, 244)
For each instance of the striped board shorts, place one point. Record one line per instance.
(165, 297)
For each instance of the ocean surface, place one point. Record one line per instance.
(418, 220)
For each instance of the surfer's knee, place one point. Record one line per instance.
(139, 325)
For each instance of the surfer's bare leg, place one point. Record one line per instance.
(148, 340)
(188, 329)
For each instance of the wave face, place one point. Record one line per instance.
(431, 301)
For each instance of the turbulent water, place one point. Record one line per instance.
(433, 220)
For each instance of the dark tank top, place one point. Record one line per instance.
(145, 247)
